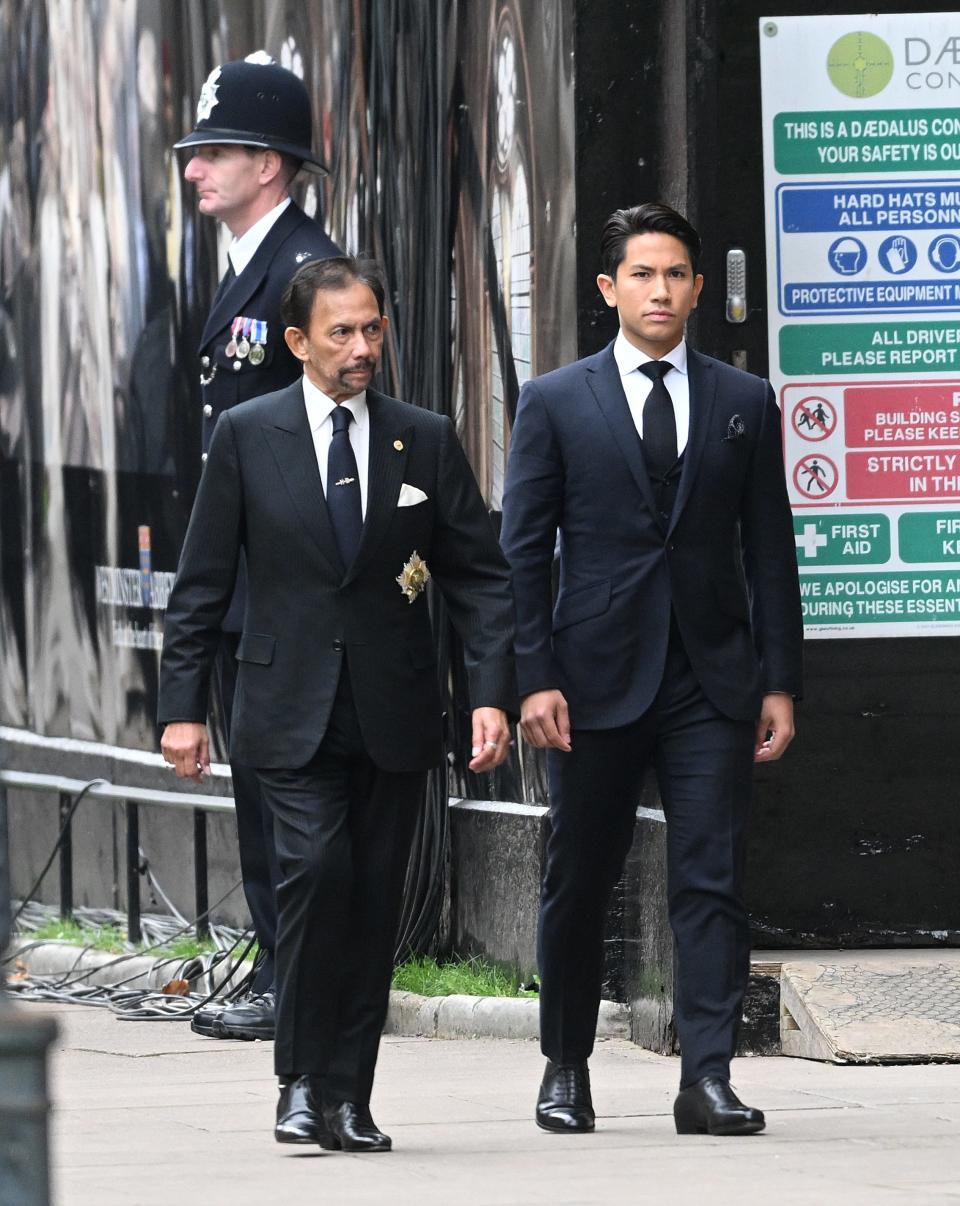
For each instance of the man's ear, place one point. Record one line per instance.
(272, 163)
(297, 343)
(608, 289)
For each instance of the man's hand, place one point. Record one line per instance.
(774, 728)
(545, 720)
(491, 739)
(185, 748)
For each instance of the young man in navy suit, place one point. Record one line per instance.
(675, 641)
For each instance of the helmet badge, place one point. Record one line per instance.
(208, 96)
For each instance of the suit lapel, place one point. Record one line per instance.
(229, 304)
(703, 392)
(385, 470)
(291, 441)
(603, 378)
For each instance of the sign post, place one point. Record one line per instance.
(861, 125)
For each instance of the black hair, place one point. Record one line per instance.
(339, 272)
(651, 217)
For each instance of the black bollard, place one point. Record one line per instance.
(24, 1104)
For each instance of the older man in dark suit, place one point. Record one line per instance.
(346, 503)
(252, 137)
(675, 642)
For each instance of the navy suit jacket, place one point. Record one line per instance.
(307, 613)
(724, 563)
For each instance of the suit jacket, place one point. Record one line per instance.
(724, 562)
(307, 614)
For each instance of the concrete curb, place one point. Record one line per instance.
(409, 1015)
(80, 966)
(460, 1016)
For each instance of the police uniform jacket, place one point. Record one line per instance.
(292, 241)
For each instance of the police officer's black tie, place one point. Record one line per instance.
(343, 487)
(659, 422)
(225, 282)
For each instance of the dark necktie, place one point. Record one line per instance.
(343, 487)
(225, 282)
(659, 421)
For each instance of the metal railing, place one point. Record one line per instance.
(131, 798)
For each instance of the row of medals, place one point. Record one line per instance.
(243, 348)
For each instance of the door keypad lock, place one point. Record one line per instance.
(736, 285)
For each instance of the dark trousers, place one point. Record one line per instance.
(258, 856)
(343, 831)
(703, 762)
(255, 826)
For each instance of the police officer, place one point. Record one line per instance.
(253, 135)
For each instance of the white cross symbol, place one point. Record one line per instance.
(811, 540)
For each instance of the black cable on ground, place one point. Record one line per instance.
(64, 828)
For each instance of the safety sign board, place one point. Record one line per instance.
(868, 248)
(861, 123)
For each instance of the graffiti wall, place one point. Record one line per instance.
(444, 164)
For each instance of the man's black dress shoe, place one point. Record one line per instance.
(710, 1107)
(298, 1113)
(254, 1018)
(206, 1020)
(348, 1126)
(564, 1103)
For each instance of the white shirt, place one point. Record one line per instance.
(637, 386)
(319, 411)
(241, 251)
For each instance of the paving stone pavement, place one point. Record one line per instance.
(861, 1005)
(147, 1113)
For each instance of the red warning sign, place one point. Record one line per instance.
(902, 416)
(815, 476)
(929, 474)
(814, 418)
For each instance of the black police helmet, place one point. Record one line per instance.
(255, 104)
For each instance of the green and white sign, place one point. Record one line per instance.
(861, 125)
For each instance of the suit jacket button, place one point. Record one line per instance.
(205, 361)
(237, 365)
(207, 411)
(203, 457)
(337, 646)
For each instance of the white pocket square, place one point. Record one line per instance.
(410, 496)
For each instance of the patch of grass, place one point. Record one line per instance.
(187, 946)
(102, 938)
(472, 977)
(113, 940)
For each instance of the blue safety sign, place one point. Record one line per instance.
(861, 248)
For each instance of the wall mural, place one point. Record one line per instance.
(440, 166)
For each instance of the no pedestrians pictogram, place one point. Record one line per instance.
(815, 476)
(814, 418)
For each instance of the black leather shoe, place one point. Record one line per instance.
(348, 1126)
(254, 1018)
(564, 1103)
(298, 1114)
(710, 1107)
(206, 1021)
